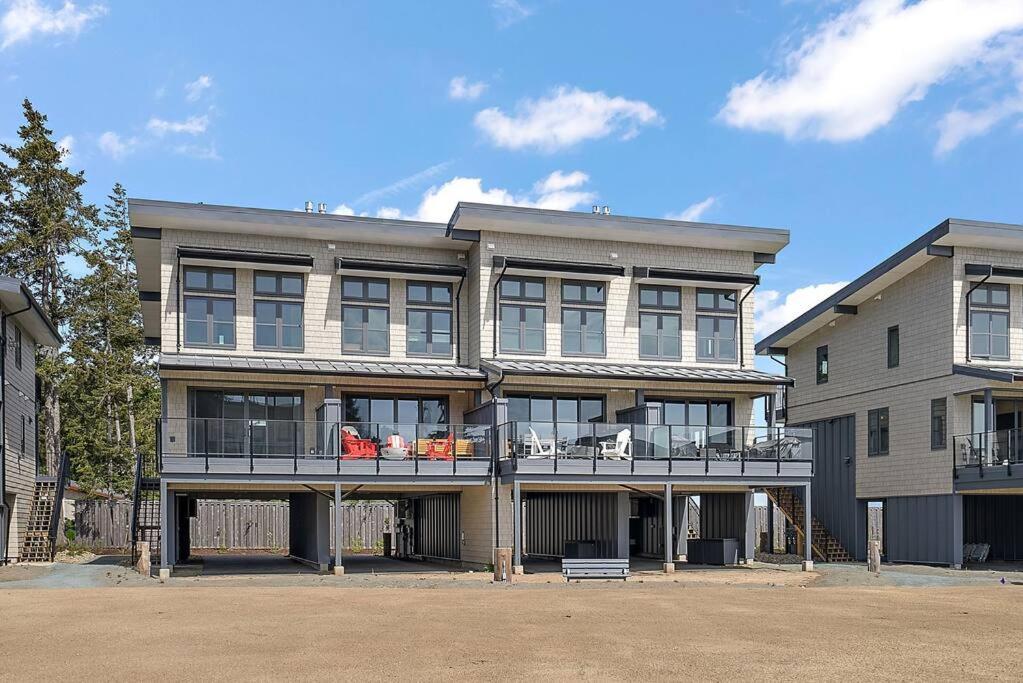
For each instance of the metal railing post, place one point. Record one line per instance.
(671, 440)
(555, 448)
(252, 459)
(294, 442)
(742, 450)
(378, 447)
(206, 441)
(596, 446)
(454, 449)
(337, 442)
(415, 451)
(514, 448)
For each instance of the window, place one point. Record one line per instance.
(215, 280)
(717, 300)
(989, 322)
(659, 331)
(822, 365)
(278, 284)
(527, 288)
(660, 297)
(365, 328)
(278, 325)
(522, 327)
(877, 432)
(893, 346)
(239, 422)
(715, 338)
(209, 321)
(17, 347)
(939, 424)
(582, 318)
(708, 420)
(428, 319)
(562, 409)
(377, 417)
(431, 293)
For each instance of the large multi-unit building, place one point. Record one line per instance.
(543, 380)
(909, 376)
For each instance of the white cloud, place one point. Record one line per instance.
(694, 212)
(508, 12)
(26, 18)
(558, 181)
(960, 125)
(855, 71)
(195, 89)
(116, 147)
(388, 212)
(343, 210)
(565, 118)
(204, 152)
(772, 310)
(66, 146)
(460, 88)
(193, 125)
(403, 184)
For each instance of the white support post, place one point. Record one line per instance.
(669, 544)
(166, 530)
(339, 567)
(808, 531)
(517, 528)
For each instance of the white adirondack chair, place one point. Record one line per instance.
(619, 449)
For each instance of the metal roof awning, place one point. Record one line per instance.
(674, 373)
(311, 366)
(990, 273)
(693, 278)
(514, 265)
(237, 258)
(399, 269)
(995, 373)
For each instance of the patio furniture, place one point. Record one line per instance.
(441, 449)
(783, 448)
(619, 449)
(395, 448)
(355, 447)
(594, 568)
(540, 448)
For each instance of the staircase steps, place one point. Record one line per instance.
(37, 546)
(825, 546)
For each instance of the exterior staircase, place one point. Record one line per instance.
(40, 542)
(145, 516)
(825, 546)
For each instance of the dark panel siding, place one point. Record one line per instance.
(437, 521)
(723, 515)
(552, 519)
(920, 529)
(996, 520)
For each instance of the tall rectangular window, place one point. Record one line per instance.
(18, 343)
(209, 316)
(365, 316)
(428, 320)
(822, 365)
(989, 322)
(582, 318)
(278, 320)
(660, 322)
(939, 423)
(523, 325)
(893, 346)
(877, 432)
(716, 333)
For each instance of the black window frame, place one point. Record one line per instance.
(878, 431)
(521, 296)
(364, 349)
(522, 328)
(278, 290)
(18, 344)
(429, 300)
(351, 398)
(555, 398)
(719, 295)
(209, 272)
(583, 285)
(659, 291)
(822, 364)
(365, 297)
(893, 344)
(716, 357)
(660, 315)
(278, 325)
(939, 434)
(430, 312)
(990, 309)
(584, 314)
(209, 344)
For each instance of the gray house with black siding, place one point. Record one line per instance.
(910, 377)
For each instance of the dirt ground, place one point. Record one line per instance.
(761, 621)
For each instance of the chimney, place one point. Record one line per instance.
(322, 207)
(308, 207)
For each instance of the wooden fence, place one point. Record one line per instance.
(236, 524)
(874, 526)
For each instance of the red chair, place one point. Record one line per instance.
(354, 447)
(441, 449)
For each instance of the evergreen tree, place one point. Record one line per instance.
(43, 220)
(112, 380)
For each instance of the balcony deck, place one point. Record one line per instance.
(988, 462)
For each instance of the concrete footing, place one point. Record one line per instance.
(339, 570)
(165, 573)
(669, 567)
(807, 565)
(518, 570)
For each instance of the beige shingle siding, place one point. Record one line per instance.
(21, 462)
(961, 286)
(859, 380)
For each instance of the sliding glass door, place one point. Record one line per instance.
(238, 422)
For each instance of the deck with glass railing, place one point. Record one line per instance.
(988, 459)
(290, 447)
(553, 448)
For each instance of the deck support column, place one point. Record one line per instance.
(807, 531)
(167, 543)
(339, 567)
(682, 544)
(517, 528)
(669, 537)
(749, 543)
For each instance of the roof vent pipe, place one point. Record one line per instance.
(607, 210)
(596, 209)
(308, 207)
(322, 207)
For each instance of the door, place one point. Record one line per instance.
(833, 489)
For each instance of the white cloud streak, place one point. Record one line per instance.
(66, 146)
(564, 118)
(195, 89)
(405, 183)
(116, 147)
(509, 12)
(772, 310)
(461, 88)
(694, 212)
(857, 70)
(25, 19)
(193, 125)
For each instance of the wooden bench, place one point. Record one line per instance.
(463, 448)
(594, 569)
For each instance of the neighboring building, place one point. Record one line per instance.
(23, 326)
(910, 376)
(552, 373)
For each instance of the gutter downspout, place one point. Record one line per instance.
(177, 294)
(458, 322)
(969, 295)
(3, 431)
(742, 350)
(497, 296)
(494, 485)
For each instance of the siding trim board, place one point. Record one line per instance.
(398, 269)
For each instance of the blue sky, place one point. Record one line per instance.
(857, 125)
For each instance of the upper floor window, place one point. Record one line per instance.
(17, 347)
(893, 346)
(660, 328)
(939, 423)
(522, 325)
(209, 319)
(365, 316)
(877, 432)
(582, 318)
(216, 280)
(989, 322)
(278, 284)
(651, 296)
(822, 365)
(715, 334)
(428, 319)
(278, 321)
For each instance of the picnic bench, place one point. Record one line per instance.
(593, 568)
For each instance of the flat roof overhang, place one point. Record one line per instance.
(20, 303)
(441, 272)
(578, 225)
(985, 272)
(239, 258)
(994, 373)
(693, 278)
(630, 372)
(514, 265)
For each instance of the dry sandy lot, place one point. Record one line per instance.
(650, 630)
